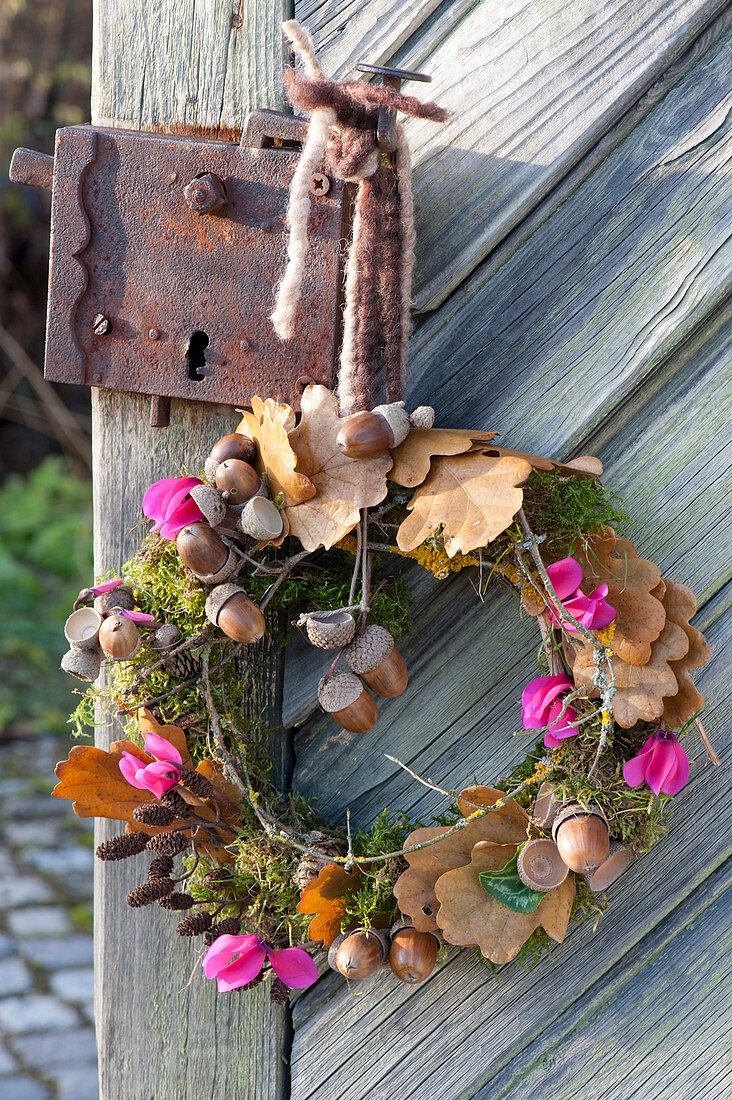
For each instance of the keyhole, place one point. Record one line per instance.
(195, 356)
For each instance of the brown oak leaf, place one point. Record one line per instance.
(415, 888)
(680, 604)
(325, 898)
(413, 457)
(587, 465)
(343, 485)
(640, 690)
(91, 777)
(469, 915)
(268, 424)
(474, 496)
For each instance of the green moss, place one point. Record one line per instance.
(566, 508)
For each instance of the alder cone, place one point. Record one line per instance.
(390, 678)
(413, 954)
(201, 549)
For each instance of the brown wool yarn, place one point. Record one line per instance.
(279, 994)
(168, 844)
(177, 805)
(160, 867)
(176, 901)
(150, 891)
(196, 783)
(120, 847)
(152, 813)
(195, 925)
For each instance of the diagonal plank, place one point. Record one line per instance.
(532, 86)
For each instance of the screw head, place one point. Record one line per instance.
(154, 334)
(205, 194)
(101, 325)
(319, 184)
(244, 345)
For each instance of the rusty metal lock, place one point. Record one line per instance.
(165, 254)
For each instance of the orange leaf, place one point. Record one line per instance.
(92, 778)
(269, 425)
(415, 888)
(469, 915)
(325, 897)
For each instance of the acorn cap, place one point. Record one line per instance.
(330, 629)
(339, 691)
(423, 417)
(396, 417)
(618, 860)
(166, 636)
(546, 806)
(117, 597)
(260, 518)
(540, 865)
(82, 628)
(217, 597)
(574, 809)
(369, 649)
(333, 949)
(229, 567)
(84, 664)
(211, 503)
(210, 467)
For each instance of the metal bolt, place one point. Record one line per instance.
(205, 194)
(154, 334)
(319, 184)
(101, 325)
(244, 345)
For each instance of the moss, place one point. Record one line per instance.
(566, 508)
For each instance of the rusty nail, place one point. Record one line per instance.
(205, 194)
(154, 334)
(101, 325)
(305, 380)
(244, 345)
(319, 184)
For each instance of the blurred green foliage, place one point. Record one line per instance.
(45, 558)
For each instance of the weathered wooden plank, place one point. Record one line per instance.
(183, 67)
(532, 86)
(669, 1000)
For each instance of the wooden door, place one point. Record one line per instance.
(571, 288)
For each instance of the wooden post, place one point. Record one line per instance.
(196, 69)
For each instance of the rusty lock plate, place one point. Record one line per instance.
(148, 294)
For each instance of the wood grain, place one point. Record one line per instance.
(159, 1035)
(532, 86)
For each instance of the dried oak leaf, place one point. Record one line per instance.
(640, 690)
(415, 888)
(325, 897)
(631, 582)
(343, 485)
(474, 496)
(469, 915)
(268, 424)
(91, 777)
(413, 457)
(586, 465)
(680, 604)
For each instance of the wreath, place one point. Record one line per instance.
(304, 522)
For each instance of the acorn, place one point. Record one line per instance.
(122, 596)
(330, 629)
(211, 503)
(422, 417)
(344, 696)
(205, 553)
(360, 953)
(372, 655)
(82, 628)
(237, 481)
(540, 865)
(546, 806)
(84, 664)
(233, 445)
(119, 638)
(229, 608)
(581, 837)
(261, 519)
(618, 860)
(413, 954)
(365, 434)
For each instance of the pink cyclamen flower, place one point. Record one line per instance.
(168, 503)
(236, 960)
(161, 774)
(662, 763)
(135, 616)
(541, 705)
(96, 590)
(590, 611)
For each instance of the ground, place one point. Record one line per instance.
(47, 1044)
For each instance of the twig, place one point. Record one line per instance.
(707, 743)
(182, 686)
(356, 565)
(146, 673)
(349, 857)
(287, 568)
